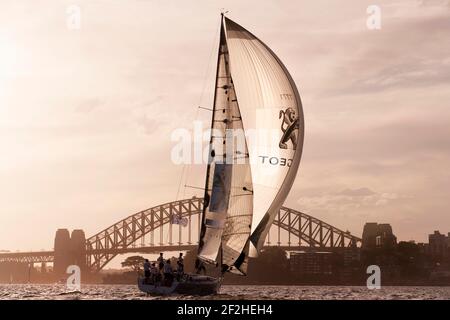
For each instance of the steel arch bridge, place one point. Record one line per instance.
(291, 229)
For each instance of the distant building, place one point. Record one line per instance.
(424, 248)
(378, 236)
(439, 246)
(351, 263)
(307, 264)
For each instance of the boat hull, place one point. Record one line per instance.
(190, 285)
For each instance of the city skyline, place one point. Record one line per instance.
(86, 115)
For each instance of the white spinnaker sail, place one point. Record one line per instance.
(227, 213)
(270, 106)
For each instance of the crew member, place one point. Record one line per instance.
(154, 273)
(147, 270)
(160, 262)
(180, 266)
(168, 273)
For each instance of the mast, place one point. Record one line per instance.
(206, 198)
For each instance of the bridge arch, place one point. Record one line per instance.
(302, 230)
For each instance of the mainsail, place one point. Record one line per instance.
(227, 212)
(254, 91)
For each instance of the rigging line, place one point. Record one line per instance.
(246, 189)
(241, 195)
(188, 169)
(181, 179)
(209, 63)
(205, 81)
(194, 187)
(184, 165)
(238, 187)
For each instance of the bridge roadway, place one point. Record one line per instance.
(48, 256)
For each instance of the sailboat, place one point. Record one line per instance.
(246, 182)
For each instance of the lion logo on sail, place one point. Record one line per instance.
(289, 126)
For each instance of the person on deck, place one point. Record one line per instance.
(180, 266)
(154, 273)
(146, 270)
(168, 273)
(160, 262)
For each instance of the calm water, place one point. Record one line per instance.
(58, 292)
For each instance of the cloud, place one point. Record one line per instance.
(361, 192)
(149, 125)
(145, 116)
(407, 52)
(346, 200)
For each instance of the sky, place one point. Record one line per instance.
(86, 114)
